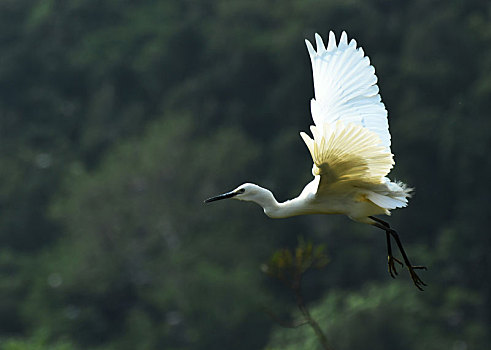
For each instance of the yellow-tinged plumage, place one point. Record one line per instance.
(347, 154)
(350, 148)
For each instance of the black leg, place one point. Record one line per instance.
(380, 221)
(391, 260)
(390, 232)
(417, 281)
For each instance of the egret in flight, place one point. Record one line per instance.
(350, 149)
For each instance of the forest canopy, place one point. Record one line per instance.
(118, 118)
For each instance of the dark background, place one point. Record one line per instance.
(117, 118)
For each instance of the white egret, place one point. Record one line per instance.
(350, 149)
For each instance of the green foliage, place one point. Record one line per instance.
(290, 269)
(289, 266)
(118, 118)
(37, 342)
(389, 316)
(151, 259)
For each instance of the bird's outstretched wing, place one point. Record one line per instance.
(347, 154)
(346, 87)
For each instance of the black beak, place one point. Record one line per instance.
(222, 196)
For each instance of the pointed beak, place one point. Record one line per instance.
(222, 196)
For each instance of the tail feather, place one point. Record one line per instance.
(387, 202)
(390, 195)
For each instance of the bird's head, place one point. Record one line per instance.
(245, 192)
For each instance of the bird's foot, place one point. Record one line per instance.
(417, 281)
(392, 267)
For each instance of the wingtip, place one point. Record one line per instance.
(308, 142)
(331, 44)
(319, 43)
(310, 48)
(344, 39)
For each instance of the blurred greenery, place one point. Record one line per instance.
(290, 267)
(118, 118)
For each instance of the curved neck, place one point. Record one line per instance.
(276, 210)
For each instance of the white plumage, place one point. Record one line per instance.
(346, 88)
(350, 147)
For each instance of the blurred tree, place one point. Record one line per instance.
(37, 342)
(140, 250)
(290, 267)
(225, 85)
(389, 316)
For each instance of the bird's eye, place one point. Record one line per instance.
(242, 190)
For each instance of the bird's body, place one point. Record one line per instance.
(350, 147)
(350, 201)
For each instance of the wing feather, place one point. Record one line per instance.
(347, 153)
(345, 87)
